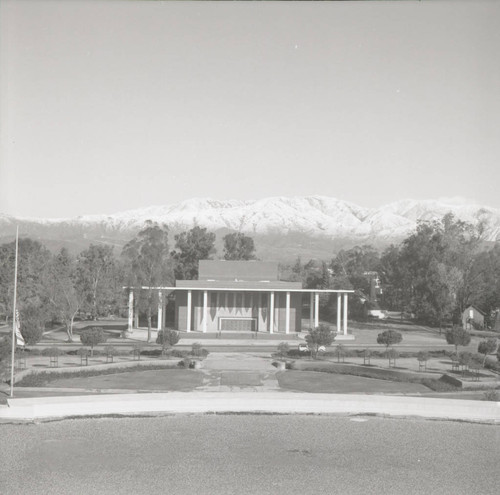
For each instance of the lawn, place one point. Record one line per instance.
(318, 382)
(164, 380)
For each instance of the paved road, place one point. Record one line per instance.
(229, 454)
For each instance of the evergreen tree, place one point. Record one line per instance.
(148, 258)
(238, 246)
(191, 247)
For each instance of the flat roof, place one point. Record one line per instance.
(247, 289)
(239, 270)
(238, 284)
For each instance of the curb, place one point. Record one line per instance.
(49, 408)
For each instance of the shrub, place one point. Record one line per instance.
(389, 338)
(457, 336)
(422, 356)
(52, 352)
(178, 353)
(185, 363)
(321, 335)
(283, 349)
(486, 347)
(198, 351)
(492, 395)
(167, 338)
(93, 336)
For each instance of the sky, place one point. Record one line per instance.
(107, 106)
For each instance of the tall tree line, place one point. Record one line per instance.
(435, 273)
(60, 287)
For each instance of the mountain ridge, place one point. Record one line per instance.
(316, 216)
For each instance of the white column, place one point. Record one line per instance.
(164, 311)
(130, 309)
(287, 315)
(205, 314)
(136, 313)
(311, 311)
(188, 324)
(160, 310)
(339, 310)
(345, 313)
(316, 309)
(271, 312)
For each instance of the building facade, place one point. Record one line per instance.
(472, 317)
(242, 296)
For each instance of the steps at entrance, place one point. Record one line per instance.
(225, 335)
(234, 361)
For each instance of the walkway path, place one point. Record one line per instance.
(230, 371)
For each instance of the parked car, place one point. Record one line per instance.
(303, 348)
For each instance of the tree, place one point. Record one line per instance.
(167, 338)
(33, 261)
(148, 257)
(5, 347)
(389, 338)
(191, 247)
(486, 347)
(238, 246)
(457, 336)
(341, 352)
(422, 358)
(93, 336)
(321, 335)
(438, 260)
(94, 279)
(63, 297)
(32, 323)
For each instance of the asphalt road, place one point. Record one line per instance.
(245, 454)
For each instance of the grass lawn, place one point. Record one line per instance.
(318, 382)
(165, 380)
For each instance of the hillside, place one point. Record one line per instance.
(283, 228)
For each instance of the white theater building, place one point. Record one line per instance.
(242, 296)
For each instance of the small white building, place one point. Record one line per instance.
(472, 318)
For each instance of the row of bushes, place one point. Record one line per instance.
(361, 353)
(196, 350)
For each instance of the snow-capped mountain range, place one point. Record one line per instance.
(312, 216)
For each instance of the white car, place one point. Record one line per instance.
(305, 348)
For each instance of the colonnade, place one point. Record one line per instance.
(133, 311)
(342, 311)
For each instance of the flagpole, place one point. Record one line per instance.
(14, 319)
